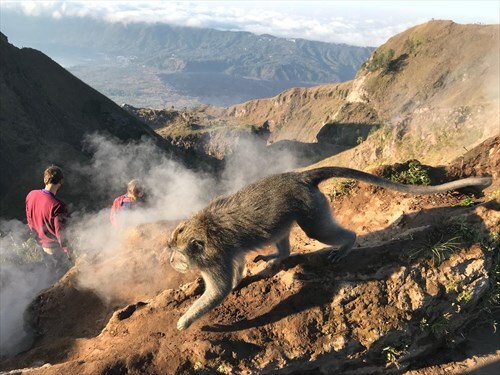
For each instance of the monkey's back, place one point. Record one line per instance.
(261, 212)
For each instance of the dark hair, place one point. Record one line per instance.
(52, 175)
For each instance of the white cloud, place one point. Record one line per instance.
(355, 22)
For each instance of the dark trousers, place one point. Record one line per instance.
(58, 262)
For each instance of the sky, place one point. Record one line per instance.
(361, 23)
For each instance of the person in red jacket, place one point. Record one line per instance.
(129, 201)
(46, 215)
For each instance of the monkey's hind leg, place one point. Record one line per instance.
(324, 229)
(343, 238)
(283, 251)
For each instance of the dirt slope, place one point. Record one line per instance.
(384, 308)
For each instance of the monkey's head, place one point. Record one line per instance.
(187, 246)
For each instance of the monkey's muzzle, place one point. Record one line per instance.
(178, 261)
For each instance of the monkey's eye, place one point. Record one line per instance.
(196, 245)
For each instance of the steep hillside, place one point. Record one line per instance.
(426, 272)
(203, 134)
(45, 114)
(432, 89)
(198, 133)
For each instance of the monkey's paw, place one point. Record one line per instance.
(183, 323)
(336, 256)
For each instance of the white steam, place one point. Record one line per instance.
(20, 280)
(251, 161)
(173, 193)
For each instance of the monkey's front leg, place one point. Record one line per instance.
(218, 284)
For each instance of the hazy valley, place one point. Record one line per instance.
(160, 66)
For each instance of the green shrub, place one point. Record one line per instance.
(20, 252)
(443, 249)
(341, 189)
(439, 327)
(465, 202)
(381, 60)
(414, 175)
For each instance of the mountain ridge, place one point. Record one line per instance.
(159, 60)
(185, 48)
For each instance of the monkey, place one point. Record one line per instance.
(216, 239)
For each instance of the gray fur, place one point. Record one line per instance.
(217, 238)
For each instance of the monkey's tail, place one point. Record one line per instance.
(315, 176)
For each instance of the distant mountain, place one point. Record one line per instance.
(183, 65)
(45, 113)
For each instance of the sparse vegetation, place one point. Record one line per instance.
(199, 368)
(374, 129)
(381, 60)
(467, 201)
(451, 286)
(341, 189)
(392, 355)
(489, 305)
(464, 296)
(424, 323)
(489, 241)
(412, 44)
(491, 300)
(443, 249)
(21, 252)
(495, 194)
(414, 175)
(461, 228)
(438, 251)
(224, 368)
(439, 327)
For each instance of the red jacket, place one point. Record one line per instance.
(46, 215)
(121, 202)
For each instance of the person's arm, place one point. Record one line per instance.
(60, 221)
(114, 210)
(112, 215)
(29, 219)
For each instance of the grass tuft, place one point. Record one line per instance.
(414, 175)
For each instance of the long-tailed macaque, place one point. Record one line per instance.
(216, 239)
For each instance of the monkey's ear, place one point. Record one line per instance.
(196, 245)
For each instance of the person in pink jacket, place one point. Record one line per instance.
(47, 215)
(129, 201)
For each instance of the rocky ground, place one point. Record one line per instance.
(413, 297)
